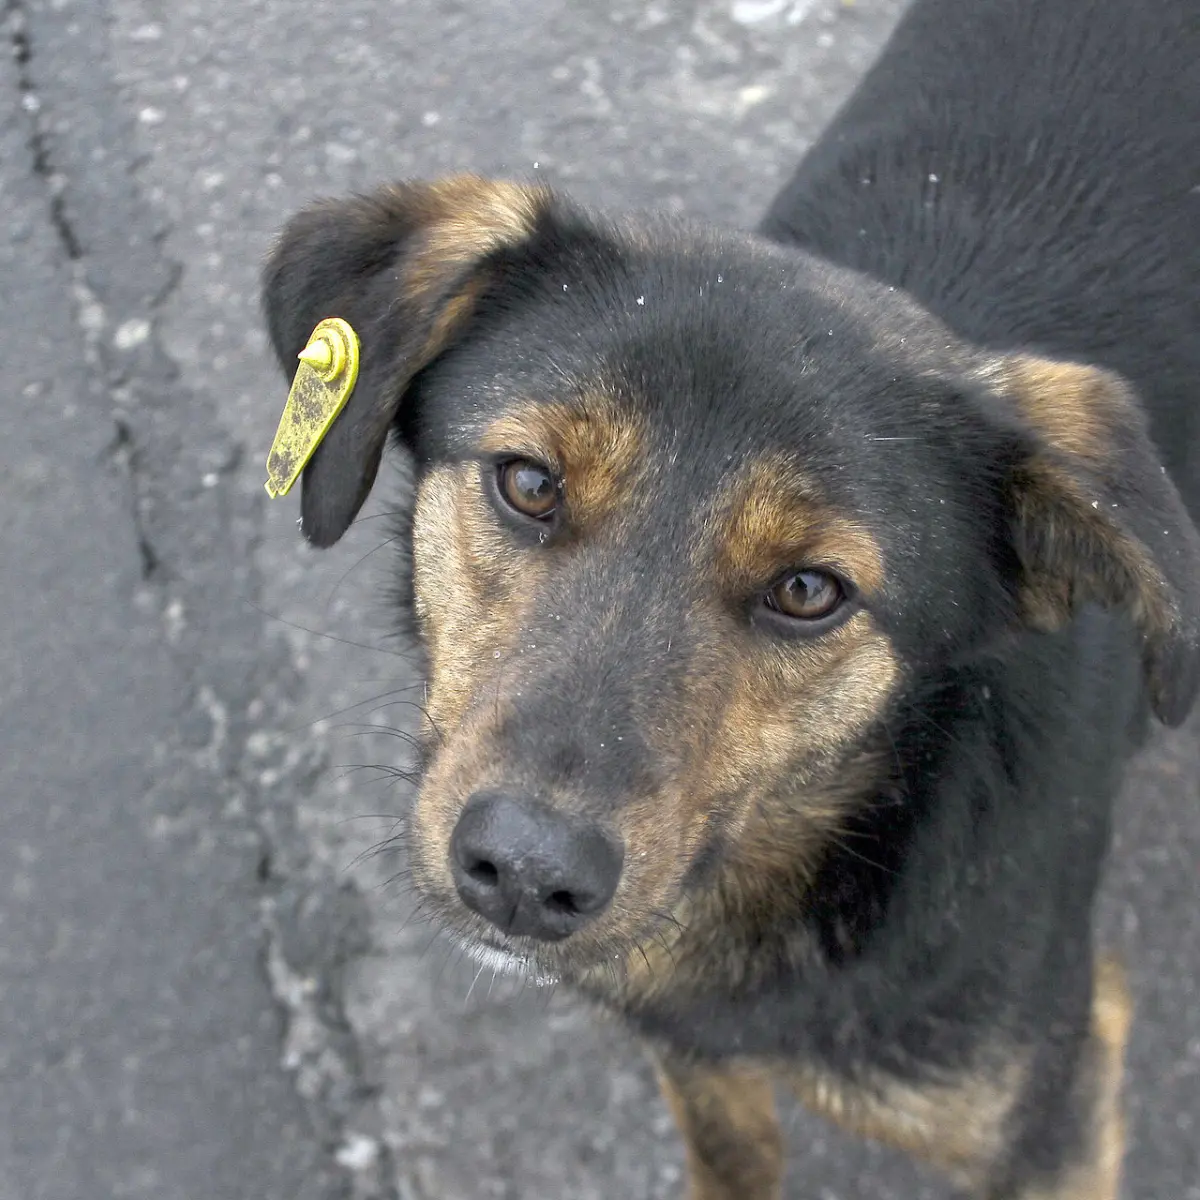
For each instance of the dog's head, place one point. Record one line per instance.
(691, 509)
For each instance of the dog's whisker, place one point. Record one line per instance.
(341, 712)
(354, 567)
(388, 845)
(385, 771)
(318, 633)
(367, 728)
(478, 972)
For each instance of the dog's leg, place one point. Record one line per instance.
(1098, 1176)
(972, 1127)
(727, 1117)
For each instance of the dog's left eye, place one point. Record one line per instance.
(809, 595)
(528, 487)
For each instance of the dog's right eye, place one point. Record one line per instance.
(806, 596)
(528, 488)
(807, 603)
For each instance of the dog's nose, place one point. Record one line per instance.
(529, 869)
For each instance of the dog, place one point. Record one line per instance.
(792, 600)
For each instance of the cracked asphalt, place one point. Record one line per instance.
(209, 987)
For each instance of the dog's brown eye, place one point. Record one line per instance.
(529, 488)
(806, 596)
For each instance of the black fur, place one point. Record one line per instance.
(1028, 171)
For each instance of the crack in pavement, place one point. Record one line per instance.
(122, 451)
(196, 538)
(88, 310)
(14, 15)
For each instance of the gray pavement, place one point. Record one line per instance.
(205, 991)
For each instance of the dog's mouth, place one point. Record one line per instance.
(512, 961)
(611, 951)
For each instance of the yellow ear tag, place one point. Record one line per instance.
(321, 386)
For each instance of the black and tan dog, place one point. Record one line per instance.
(792, 601)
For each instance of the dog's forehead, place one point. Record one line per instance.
(733, 351)
(723, 345)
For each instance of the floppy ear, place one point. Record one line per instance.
(1098, 520)
(404, 266)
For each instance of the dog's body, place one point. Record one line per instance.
(1028, 172)
(789, 627)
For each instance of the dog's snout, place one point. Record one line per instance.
(529, 869)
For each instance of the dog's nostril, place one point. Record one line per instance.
(562, 902)
(484, 872)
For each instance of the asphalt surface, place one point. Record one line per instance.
(208, 987)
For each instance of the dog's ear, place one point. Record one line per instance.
(1097, 519)
(404, 266)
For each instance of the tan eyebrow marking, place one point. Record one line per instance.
(773, 518)
(597, 447)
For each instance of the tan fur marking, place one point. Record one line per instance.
(1051, 499)
(468, 578)
(1076, 408)
(727, 1118)
(1112, 1007)
(448, 321)
(472, 586)
(958, 1125)
(786, 834)
(772, 519)
(846, 675)
(760, 743)
(1080, 411)
(1112, 1014)
(769, 862)
(470, 217)
(595, 446)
